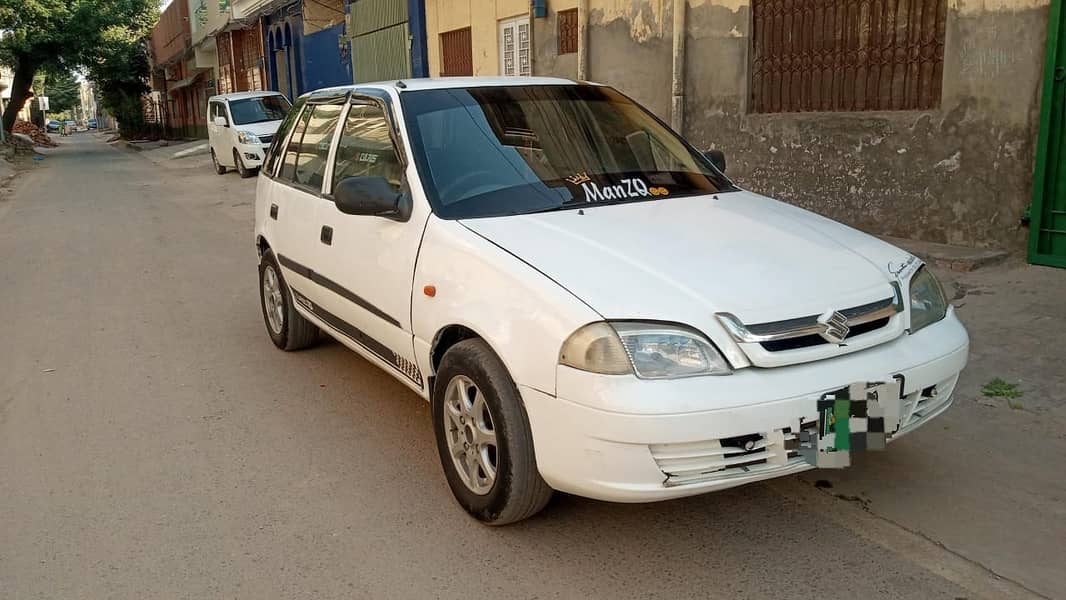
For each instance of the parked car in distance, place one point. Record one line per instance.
(92, 123)
(240, 128)
(588, 303)
(73, 125)
(51, 126)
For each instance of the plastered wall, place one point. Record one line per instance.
(960, 173)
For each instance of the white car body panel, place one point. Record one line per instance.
(523, 315)
(525, 283)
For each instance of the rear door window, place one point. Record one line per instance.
(292, 150)
(365, 147)
(314, 147)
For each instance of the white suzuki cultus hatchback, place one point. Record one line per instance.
(588, 303)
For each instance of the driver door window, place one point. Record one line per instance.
(365, 148)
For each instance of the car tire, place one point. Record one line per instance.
(221, 170)
(288, 329)
(244, 172)
(470, 373)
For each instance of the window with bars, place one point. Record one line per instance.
(846, 55)
(226, 83)
(456, 55)
(567, 31)
(247, 48)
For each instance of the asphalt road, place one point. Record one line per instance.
(155, 444)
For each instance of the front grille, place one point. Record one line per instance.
(266, 139)
(807, 341)
(726, 458)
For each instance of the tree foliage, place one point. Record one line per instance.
(62, 35)
(62, 88)
(121, 76)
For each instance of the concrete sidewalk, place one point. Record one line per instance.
(984, 479)
(179, 155)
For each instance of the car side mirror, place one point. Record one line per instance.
(717, 158)
(371, 196)
(221, 122)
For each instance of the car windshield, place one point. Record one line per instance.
(493, 151)
(258, 110)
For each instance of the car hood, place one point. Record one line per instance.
(683, 259)
(264, 128)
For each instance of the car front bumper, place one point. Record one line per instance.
(252, 154)
(621, 439)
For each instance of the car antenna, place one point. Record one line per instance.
(400, 84)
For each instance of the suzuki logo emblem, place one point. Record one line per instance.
(835, 326)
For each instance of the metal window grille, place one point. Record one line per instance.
(225, 63)
(567, 31)
(248, 59)
(456, 53)
(846, 55)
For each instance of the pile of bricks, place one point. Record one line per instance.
(39, 137)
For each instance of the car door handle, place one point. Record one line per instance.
(326, 237)
(274, 211)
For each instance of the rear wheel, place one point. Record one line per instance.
(221, 170)
(288, 329)
(483, 437)
(245, 173)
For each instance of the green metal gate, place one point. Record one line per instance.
(1047, 235)
(381, 46)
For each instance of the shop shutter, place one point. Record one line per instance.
(456, 53)
(381, 55)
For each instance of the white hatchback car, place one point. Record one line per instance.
(589, 304)
(240, 128)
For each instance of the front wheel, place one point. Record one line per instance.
(483, 437)
(245, 173)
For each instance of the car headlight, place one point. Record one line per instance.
(928, 302)
(649, 350)
(247, 137)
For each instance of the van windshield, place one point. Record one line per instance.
(258, 110)
(493, 151)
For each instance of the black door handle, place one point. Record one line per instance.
(274, 211)
(326, 236)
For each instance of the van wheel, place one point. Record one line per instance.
(483, 437)
(286, 327)
(245, 173)
(218, 167)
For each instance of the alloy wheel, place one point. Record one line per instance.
(272, 301)
(470, 434)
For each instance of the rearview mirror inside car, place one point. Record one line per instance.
(371, 196)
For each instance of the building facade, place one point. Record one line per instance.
(169, 48)
(915, 119)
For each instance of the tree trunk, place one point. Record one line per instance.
(20, 91)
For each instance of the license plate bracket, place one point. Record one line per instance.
(856, 417)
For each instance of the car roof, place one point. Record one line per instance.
(442, 83)
(243, 95)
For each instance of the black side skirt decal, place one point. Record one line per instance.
(407, 368)
(336, 288)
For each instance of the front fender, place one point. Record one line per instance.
(521, 313)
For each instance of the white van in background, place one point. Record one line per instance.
(240, 128)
